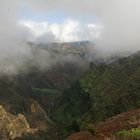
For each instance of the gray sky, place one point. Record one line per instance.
(114, 25)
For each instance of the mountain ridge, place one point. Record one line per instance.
(111, 89)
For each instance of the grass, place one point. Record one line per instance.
(48, 92)
(132, 133)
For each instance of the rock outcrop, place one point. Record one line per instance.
(12, 126)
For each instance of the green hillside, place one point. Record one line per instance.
(104, 91)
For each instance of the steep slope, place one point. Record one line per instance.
(33, 89)
(46, 85)
(110, 89)
(16, 104)
(114, 128)
(53, 68)
(13, 126)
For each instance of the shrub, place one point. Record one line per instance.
(133, 133)
(91, 128)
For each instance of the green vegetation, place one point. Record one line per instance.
(133, 133)
(70, 109)
(48, 92)
(91, 129)
(104, 91)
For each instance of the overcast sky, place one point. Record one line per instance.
(113, 25)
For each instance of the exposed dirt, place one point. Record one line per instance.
(106, 130)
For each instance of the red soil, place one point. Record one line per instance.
(105, 130)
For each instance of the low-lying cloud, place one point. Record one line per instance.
(68, 31)
(113, 25)
(120, 18)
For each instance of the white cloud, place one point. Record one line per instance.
(36, 28)
(120, 18)
(69, 30)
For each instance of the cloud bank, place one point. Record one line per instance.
(114, 26)
(120, 18)
(70, 30)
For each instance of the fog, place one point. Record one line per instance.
(120, 19)
(113, 26)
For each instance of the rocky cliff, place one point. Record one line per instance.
(12, 126)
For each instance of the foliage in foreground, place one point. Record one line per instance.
(132, 133)
(104, 91)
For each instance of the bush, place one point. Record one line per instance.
(91, 129)
(133, 133)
